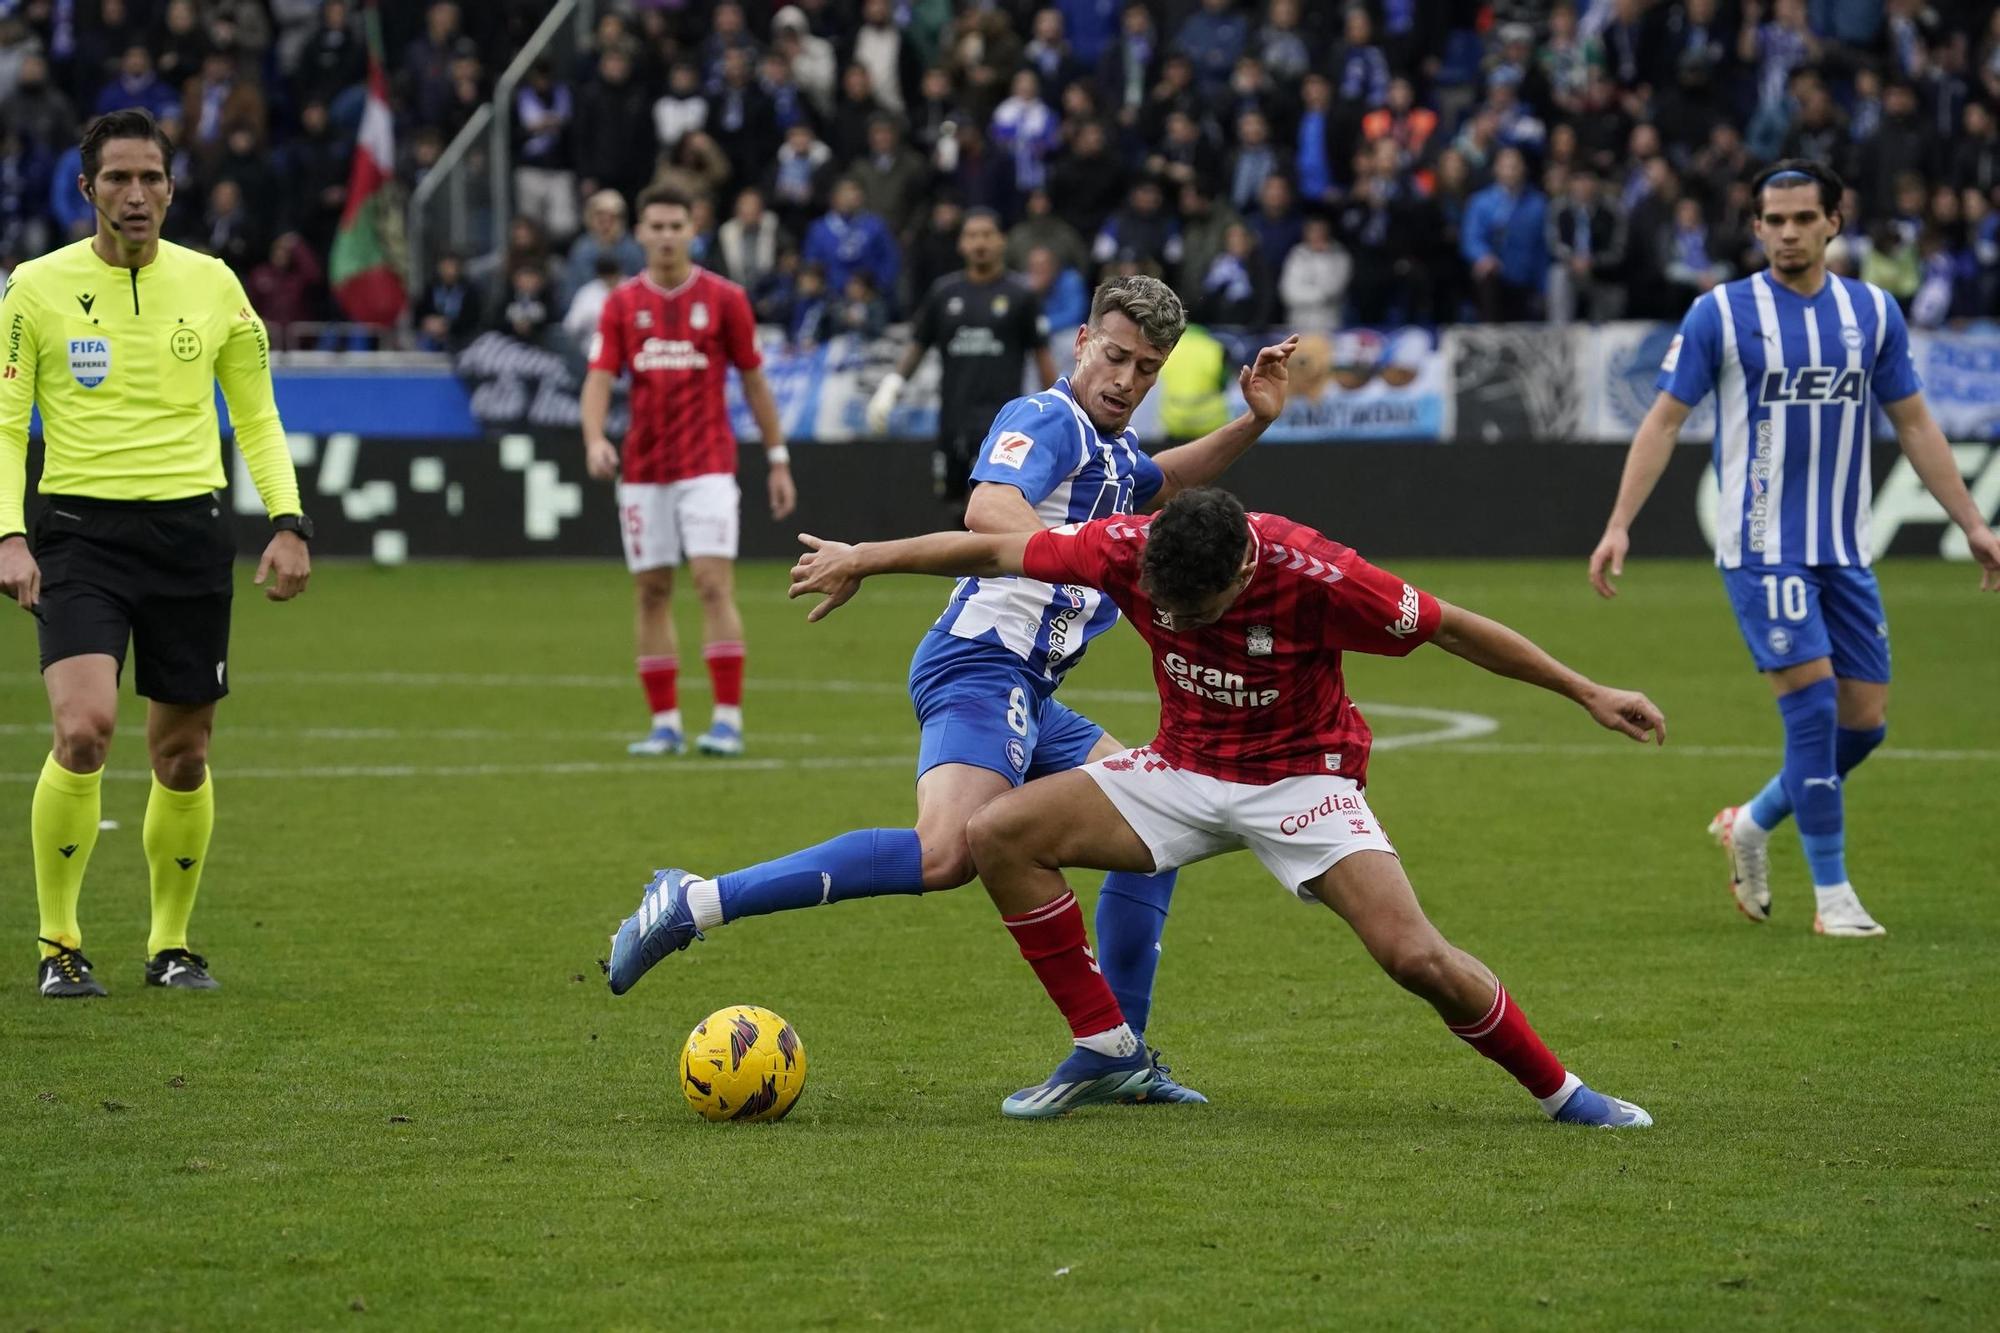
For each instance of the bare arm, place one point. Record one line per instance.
(1505, 652)
(1930, 455)
(1201, 461)
(1652, 446)
(837, 569)
(783, 493)
(996, 508)
(600, 455)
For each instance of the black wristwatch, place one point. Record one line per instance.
(298, 523)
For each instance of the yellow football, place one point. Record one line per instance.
(743, 1063)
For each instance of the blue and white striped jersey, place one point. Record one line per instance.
(1045, 446)
(1795, 381)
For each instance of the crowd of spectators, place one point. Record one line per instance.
(1304, 162)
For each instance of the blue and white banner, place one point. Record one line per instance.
(1619, 364)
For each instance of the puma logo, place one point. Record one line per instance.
(69, 851)
(184, 862)
(1832, 783)
(825, 888)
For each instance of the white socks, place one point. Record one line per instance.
(1115, 1042)
(670, 718)
(729, 715)
(1554, 1101)
(705, 900)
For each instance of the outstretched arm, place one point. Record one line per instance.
(1199, 462)
(836, 569)
(1930, 454)
(1651, 448)
(1504, 652)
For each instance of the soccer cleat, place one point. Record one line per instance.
(65, 974)
(1587, 1107)
(1749, 863)
(660, 740)
(1085, 1079)
(177, 969)
(663, 924)
(720, 740)
(1164, 1088)
(1842, 916)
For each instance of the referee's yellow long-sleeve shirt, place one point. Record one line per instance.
(124, 363)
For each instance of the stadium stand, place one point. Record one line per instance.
(1405, 162)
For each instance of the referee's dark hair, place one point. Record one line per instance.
(131, 123)
(1800, 171)
(1194, 548)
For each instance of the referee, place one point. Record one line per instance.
(121, 339)
(984, 321)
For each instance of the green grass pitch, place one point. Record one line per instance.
(415, 1103)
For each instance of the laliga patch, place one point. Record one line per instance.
(596, 347)
(90, 360)
(1673, 357)
(1011, 450)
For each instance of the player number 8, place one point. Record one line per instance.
(1017, 712)
(1791, 591)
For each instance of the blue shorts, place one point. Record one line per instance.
(992, 717)
(1791, 614)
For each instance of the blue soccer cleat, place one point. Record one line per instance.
(720, 740)
(1588, 1107)
(1085, 1079)
(1164, 1089)
(660, 740)
(663, 924)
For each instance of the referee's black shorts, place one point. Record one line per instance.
(156, 572)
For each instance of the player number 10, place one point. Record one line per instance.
(1790, 592)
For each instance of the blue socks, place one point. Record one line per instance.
(1771, 806)
(1812, 780)
(1131, 914)
(867, 863)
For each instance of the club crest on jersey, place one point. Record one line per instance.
(1011, 449)
(1850, 337)
(999, 305)
(643, 320)
(90, 360)
(955, 306)
(1812, 384)
(1257, 641)
(698, 315)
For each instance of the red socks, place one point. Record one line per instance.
(725, 672)
(658, 676)
(1052, 940)
(1504, 1037)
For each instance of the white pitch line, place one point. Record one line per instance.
(705, 769)
(1773, 752)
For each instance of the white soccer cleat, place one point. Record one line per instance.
(1749, 863)
(1842, 916)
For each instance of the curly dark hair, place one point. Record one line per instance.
(131, 123)
(1194, 548)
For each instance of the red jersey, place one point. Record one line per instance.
(1257, 696)
(679, 345)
